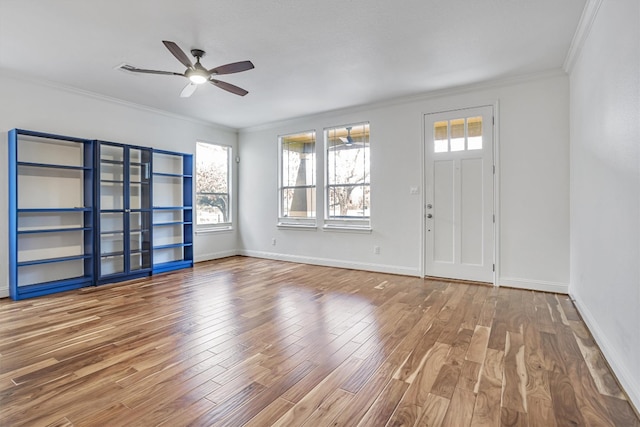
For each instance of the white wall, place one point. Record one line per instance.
(605, 186)
(534, 185)
(27, 105)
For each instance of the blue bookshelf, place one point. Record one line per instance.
(83, 212)
(51, 204)
(172, 211)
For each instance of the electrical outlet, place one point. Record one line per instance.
(273, 241)
(376, 250)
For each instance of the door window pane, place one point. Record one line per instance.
(474, 131)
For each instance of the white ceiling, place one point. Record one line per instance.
(310, 56)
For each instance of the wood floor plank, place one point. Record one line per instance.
(460, 408)
(381, 410)
(514, 384)
(487, 409)
(435, 409)
(245, 341)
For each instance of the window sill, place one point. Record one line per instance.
(292, 226)
(213, 230)
(341, 228)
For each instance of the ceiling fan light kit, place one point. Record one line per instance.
(197, 73)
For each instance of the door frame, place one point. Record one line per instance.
(496, 184)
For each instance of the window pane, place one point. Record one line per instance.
(457, 134)
(474, 132)
(212, 184)
(299, 202)
(298, 175)
(348, 171)
(441, 137)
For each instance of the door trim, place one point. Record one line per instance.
(496, 185)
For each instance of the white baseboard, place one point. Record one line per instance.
(629, 383)
(534, 285)
(216, 255)
(4, 293)
(328, 262)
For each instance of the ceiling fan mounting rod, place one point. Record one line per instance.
(198, 53)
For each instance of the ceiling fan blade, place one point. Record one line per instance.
(235, 67)
(142, 70)
(178, 53)
(188, 90)
(229, 87)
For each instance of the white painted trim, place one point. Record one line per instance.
(496, 191)
(589, 14)
(425, 96)
(94, 95)
(630, 384)
(4, 293)
(328, 262)
(534, 285)
(216, 255)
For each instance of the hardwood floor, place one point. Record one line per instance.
(244, 341)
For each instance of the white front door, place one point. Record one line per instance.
(459, 213)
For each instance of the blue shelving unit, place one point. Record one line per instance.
(172, 211)
(81, 212)
(51, 204)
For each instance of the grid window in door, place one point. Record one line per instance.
(460, 134)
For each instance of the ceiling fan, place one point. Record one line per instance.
(197, 73)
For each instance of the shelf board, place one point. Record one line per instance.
(53, 210)
(53, 166)
(174, 245)
(139, 182)
(112, 162)
(172, 208)
(112, 254)
(112, 181)
(53, 230)
(139, 230)
(172, 175)
(105, 233)
(166, 224)
(171, 265)
(53, 260)
(44, 288)
(139, 252)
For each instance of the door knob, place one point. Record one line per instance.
(429, 216)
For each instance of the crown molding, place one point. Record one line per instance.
(89, 94)
(585, 24)
(423, 96)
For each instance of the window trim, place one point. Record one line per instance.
(221, 226)
(293, 223)
(344, 224)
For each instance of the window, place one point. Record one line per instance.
(348, 198)
(298, 179)
(213, 186)
(457, 135)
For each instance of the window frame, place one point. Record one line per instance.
(333, 223)
(221, 226)
(297, 222)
